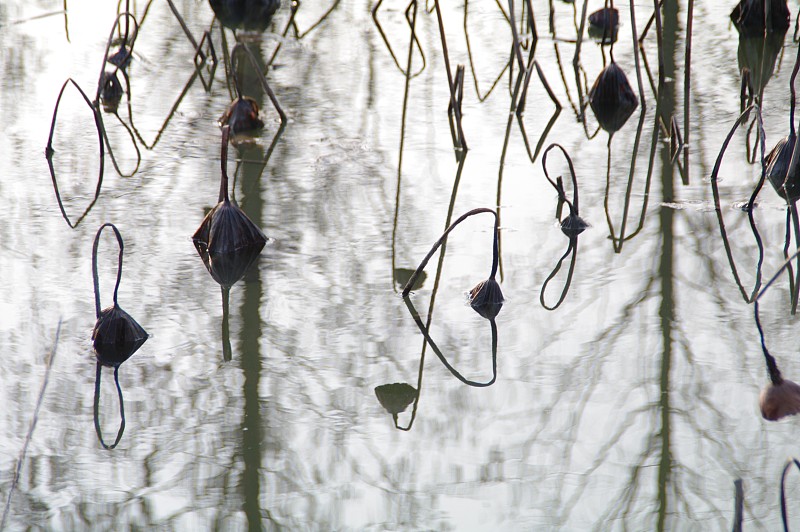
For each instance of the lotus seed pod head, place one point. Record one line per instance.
(780, 400)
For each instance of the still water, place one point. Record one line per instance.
(633, 404)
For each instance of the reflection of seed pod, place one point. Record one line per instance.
(780, 400)
(228, 268)
(612, 99)
(604, 25)
(403, 275)
(748, 16)
(573, 225)
(111, 91)
(116, 336)
(758, 53)
(396, 397)
(777, 163)
(487, 298)
(249, 15)
(242, 115)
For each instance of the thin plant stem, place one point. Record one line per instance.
(442, 239)
(31, 427)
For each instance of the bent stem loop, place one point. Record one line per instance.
(49, 151)
(573, 205)
(443, 239)
(95, 276)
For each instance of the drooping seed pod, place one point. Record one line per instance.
(487, 298)
(612, 99)
(749, 16)
(248, 15)
(242, 115)
(226, 228)
(785, 182)
(779, 400)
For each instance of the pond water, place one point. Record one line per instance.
(631, 404)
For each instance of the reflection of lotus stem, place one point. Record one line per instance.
(95, 276)
(424, 330)
(97, 407)
(49, 151)
(772, 367)
(443, 239)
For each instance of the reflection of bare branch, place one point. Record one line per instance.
(619, 240)
(301, 34)
(481, 97)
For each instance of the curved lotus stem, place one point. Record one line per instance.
(443, 239)
(573, 206)
(95, 277)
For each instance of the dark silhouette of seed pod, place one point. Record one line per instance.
(111, 91)
(248, 15)
(750, 16)
(242, 115)
(780, 400)
(778, 162)
(396, 397)
(116, 336)
(604, 25)
(573, 225)
(226, 228)
(487, 298)
(612, 99)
